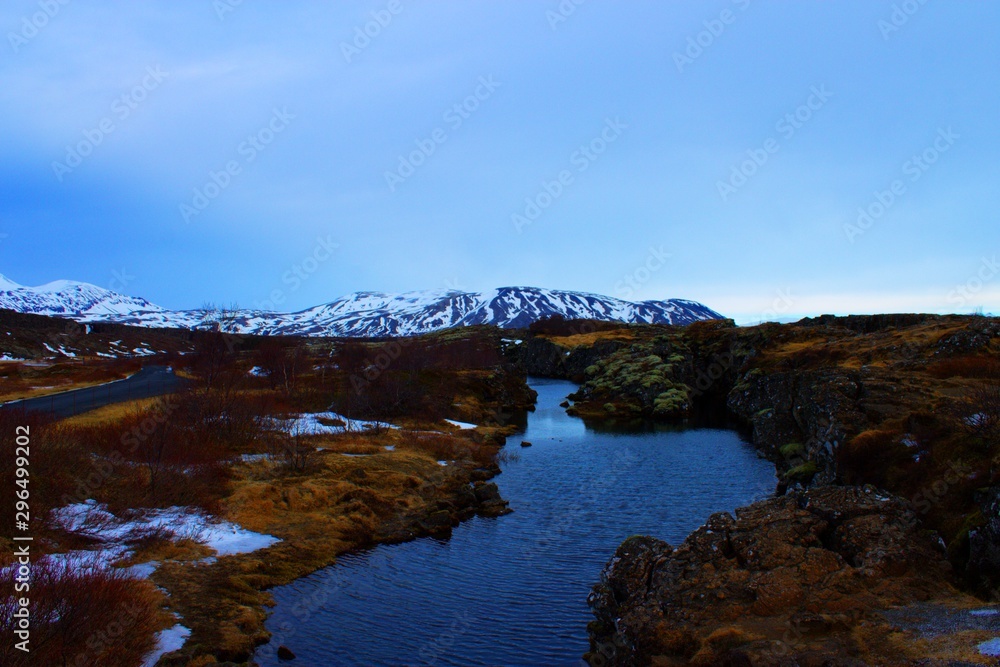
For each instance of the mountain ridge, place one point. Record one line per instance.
(361, 314)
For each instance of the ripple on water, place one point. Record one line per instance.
(513, 590)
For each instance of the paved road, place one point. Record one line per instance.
(149, 382)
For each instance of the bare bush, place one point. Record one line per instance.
(82, 616)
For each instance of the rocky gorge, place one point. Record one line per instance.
(884, 430)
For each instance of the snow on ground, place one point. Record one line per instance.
(309, 424)
(257, 371)
(462, 425)
(7, 357)
(990, 648)
(442, 463)
(167, 641)
(95, 521)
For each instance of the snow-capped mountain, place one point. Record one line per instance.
(363, 314)
(66, 298)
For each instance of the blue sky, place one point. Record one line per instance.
(272, 153)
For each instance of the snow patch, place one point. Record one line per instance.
(167, 641)
(462, 425)
(95, 521)
(984, 612)
(990, 648)
(310, 424)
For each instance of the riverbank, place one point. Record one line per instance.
(903, 403)
(362, 490)
(512, 590)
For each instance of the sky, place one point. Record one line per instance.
(769, 159)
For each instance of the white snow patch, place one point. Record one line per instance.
(95, 521)
(257, 371)
(462, 425)
(990, 648)
(309, 424)
(7, 357)
(442, 463)
(167, 641)
(984, 612)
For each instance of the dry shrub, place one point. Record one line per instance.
(972, 366)
(451, 448)
(173, 452)
(82, 617)
(54, 460)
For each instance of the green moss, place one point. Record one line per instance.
(803, 473)
(609, 407)
(792, 450)
(671, 401)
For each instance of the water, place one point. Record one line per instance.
(513, 590)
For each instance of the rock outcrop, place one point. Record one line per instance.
(796, 580)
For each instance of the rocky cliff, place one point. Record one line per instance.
(805, 579)
(905, 404)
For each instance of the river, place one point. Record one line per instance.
(513, 590)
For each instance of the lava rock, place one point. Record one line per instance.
(802, 572)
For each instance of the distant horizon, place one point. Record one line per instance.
(776, 314)
(766, 159)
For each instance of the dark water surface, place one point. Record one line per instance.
(513, 590)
